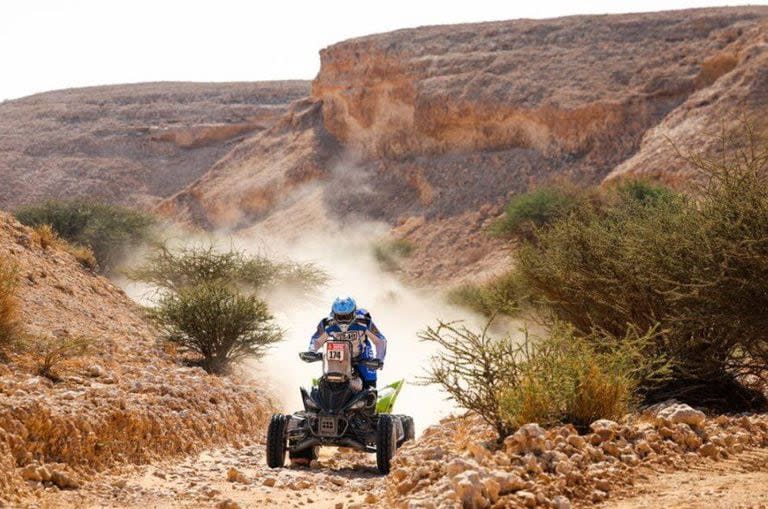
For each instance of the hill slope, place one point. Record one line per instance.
(127, 400)
(129, 144)
(432, 128)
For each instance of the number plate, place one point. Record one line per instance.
(335, 351)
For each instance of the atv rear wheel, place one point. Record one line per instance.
(276, 441)
(409, 430)
(386, 442)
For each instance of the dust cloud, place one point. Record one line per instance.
(399, 311)
(302, 231)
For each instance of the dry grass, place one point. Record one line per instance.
(601, 395)
(51, 356)
(9, 305)
(47, 238)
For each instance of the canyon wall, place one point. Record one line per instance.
(429, 130)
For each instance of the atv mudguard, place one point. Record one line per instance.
(387, 396)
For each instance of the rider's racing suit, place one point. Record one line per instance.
(365, 333)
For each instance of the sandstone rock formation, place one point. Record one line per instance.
(130, 144)
(434, 124)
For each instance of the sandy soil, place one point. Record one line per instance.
(739, 482)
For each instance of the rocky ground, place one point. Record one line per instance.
(224, 477)
(449, 467)
(671, 456)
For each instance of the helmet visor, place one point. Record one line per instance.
(344, 317)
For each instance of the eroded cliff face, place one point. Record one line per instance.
(737, 98)
(574, 88)
(260, 174)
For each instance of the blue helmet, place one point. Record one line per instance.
(343, 309)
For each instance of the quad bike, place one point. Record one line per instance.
(339, 411)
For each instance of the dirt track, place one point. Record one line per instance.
(739, 482)
(201, 481)
(348, 478)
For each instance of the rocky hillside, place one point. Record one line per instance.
(126, 400)
(428, 130)
(130, 144)
(432, 128)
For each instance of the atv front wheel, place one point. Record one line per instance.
(276, 441)
(386, 442)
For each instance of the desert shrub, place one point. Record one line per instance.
(108, 230)
(557, 378)
(10, 324)
(50, 355)
(529, 211)
(389, 253)
(46, 237)
(566, 378)
(696, 269)
(474, 369)
(503, 294)
(217, 323)
(643, 192)
(208, 301)
(173, 269)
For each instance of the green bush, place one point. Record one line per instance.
(567, 378)
(208, 300)
(558, 378)
(389, 253)
(108, 230)
(502, 294)
(694, 269)
(474, 370)
(529, 211)
(216, 323)
(643, 192)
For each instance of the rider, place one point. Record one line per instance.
(346, 317)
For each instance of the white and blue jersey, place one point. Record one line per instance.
(365, 335)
